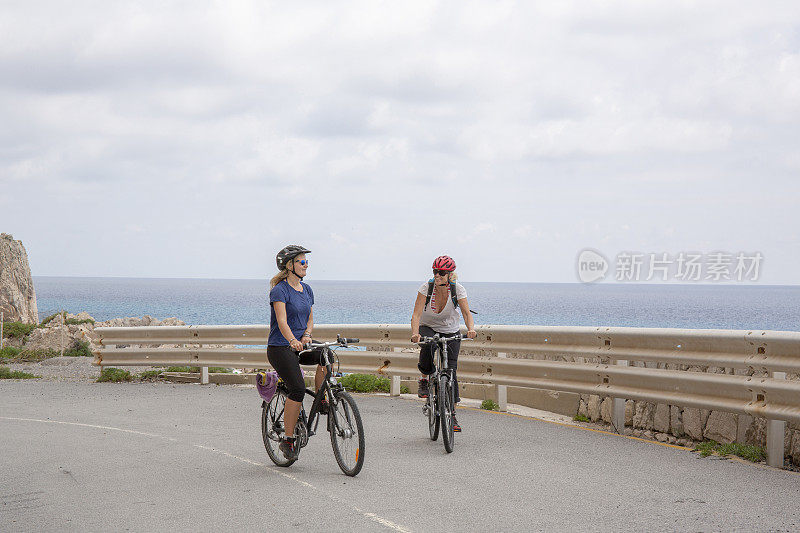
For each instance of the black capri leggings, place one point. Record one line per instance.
(286, 363)
(425, 364)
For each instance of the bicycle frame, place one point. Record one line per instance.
(439, 367)
(329, 384)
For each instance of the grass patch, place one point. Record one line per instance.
(17, 330)
(81, 349)
(755, 454)
(490, 405)
(150, 375)
(580, 418)
(404, 389)
(365, 383)
(9, 352)
(115, 375)
(34, 356)
(218, 370)
(180, 369)
(67, 321)
(7, 373)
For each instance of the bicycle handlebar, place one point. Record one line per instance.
(340, 341)
(442, 338)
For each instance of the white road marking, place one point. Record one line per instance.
(90, 426)
(370, 516)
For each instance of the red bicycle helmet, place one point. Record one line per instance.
(444, 262)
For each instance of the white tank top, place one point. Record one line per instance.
(448, 321)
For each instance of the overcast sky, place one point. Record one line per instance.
(183, 139)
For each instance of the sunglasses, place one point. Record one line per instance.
(303, 262)
(442, 273)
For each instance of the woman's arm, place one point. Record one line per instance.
(419, 306)
(309, 328)
(286, 331)
(464, 306)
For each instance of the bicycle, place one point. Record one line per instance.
(344, 421)
(440, 405)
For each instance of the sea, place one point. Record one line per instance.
(242, 301)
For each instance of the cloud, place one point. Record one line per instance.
(415, 126)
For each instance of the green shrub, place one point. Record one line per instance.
(48, 319)
(755, 454)
(365, 383)
(81, 349)
(6, 373)
(404, 389)
(580, 418)
(150, 375)
(114, 374)
(78, 321)
(9, 352)
(219, 370)
(17, 330)
(489, 405)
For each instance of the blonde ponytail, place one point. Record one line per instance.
(277, 278)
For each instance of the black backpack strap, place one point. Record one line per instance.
(430, 292)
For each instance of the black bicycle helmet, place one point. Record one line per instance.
(287, 253)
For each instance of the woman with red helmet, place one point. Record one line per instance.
(436, 311)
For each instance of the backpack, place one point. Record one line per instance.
(452, 295)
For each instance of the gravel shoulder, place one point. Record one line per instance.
(79, 369)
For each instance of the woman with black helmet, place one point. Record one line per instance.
(291, 321)
(435, 311)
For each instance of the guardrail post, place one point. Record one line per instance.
(618, 409)
(1, 331)
(394, 389)
(204, 375)
(776, 429)
(502, 391)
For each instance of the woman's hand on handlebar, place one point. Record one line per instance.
(296, 345)
(471, 334)
(415, 337)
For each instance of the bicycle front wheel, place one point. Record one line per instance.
(445, 401)
(347, 433)
(272, 428)
(433, 412)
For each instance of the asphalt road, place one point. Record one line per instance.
(157, 456)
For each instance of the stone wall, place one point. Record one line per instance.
(17, 295)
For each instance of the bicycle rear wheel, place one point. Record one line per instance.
(272, 428)
(445, 401)
(347, 433)
(433, 412)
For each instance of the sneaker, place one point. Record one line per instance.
(422, 391)
(289, 448)
(456, 427)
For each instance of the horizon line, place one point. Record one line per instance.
(609, 282)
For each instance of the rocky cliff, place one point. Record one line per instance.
(17, 296)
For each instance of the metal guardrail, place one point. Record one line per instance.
(518, 356)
